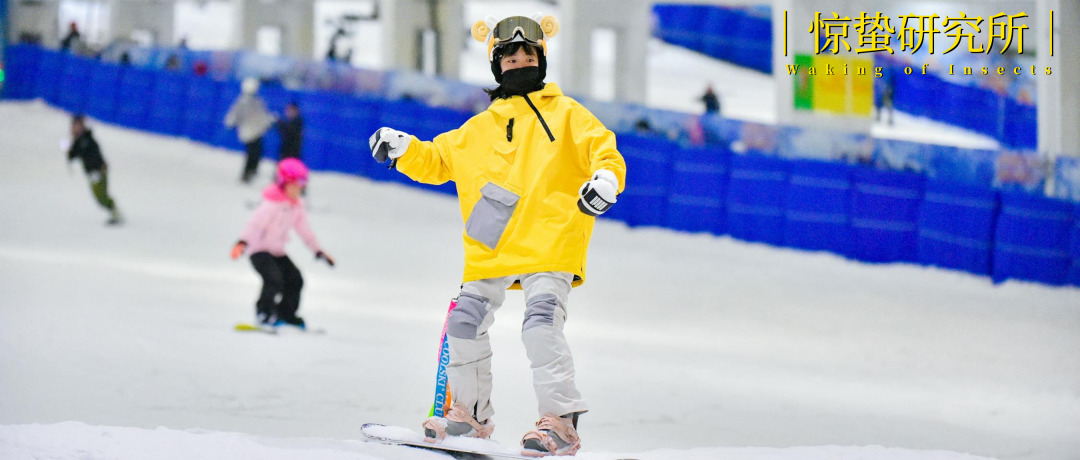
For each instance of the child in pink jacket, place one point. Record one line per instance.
(265, 236)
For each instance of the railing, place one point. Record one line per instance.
(853, 210)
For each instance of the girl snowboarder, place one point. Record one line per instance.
(532, 173)
(265, 236)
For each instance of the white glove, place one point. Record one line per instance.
(597, 195)
(388, 143)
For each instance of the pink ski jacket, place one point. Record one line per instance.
(268, 229)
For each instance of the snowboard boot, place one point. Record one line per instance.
(552, 436)
(266, 321)
(458, 422)
(295, 321)
(114, 217)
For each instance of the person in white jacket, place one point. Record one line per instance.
(251, 120)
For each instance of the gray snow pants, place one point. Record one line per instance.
(469, 371)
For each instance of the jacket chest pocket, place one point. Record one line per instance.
(491, 214)
(505, 154)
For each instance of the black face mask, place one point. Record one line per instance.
(521, 81)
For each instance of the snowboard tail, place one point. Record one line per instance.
(462, 448)
(248, 327)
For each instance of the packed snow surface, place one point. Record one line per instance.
(118, 342)
(78, 441)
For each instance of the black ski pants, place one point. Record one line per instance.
(254, 151)
(280, 277)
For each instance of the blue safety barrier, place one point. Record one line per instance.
(1021, 128)
(133, 102)
(168, 107)
(731, 34)
(756, 198)
(698, 191)
(21, 72)
(74, 75)
(104, 88)
(357, 118)
(956, 227)
(818, 206)
(227, 93)
(645, 204)
(1032, 240)
(50, 68)
(852, 210)
(200, 115)
(977, 109)
(884, 215)
(320, 121)
(1074, 249)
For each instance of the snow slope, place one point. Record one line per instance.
(681, 341)
(78, 441)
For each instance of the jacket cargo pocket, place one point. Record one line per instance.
(489, 216)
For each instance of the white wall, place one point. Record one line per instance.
(366, 40)
(206, 25)
(128, 16)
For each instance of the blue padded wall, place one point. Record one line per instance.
(818, 201)
(956, 227)
(756, 199)
(644, 204)
(1032, 240)
(168, 104)
(133, 103)
(852, 210)
(104, 88)
(21, 72)
(200, 115)
(698, 190)
(884, 215)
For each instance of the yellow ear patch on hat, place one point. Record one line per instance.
(480, 31)
(550, 26)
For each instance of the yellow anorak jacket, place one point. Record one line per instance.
(518, 189)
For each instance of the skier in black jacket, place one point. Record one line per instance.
(291, 129)
(84, 147)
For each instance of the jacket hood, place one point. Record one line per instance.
(276, 194)
(516, 106)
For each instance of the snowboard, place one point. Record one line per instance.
(248, 327)
(456, 447)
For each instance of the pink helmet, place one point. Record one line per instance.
(291, 170)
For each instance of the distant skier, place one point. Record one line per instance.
(251, 120)
(291, 129)
(711, 101)
(265, 236)
(84, 147)
(532, 173)
(73, 40)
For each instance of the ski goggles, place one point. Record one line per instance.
(507, 29)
